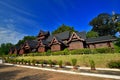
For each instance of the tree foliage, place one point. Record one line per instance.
(4, 48)
(117, 43)
(24, 39)
(118, 26)
(63, 28)
(105, 24)
(92, 34)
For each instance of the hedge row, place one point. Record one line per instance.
(73, 62)
(83, 51)
(114, 64)
(34, 62)
(72, 52)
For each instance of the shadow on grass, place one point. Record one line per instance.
(8, 75)
(36, 77)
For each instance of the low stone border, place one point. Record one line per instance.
(106, 69)
(71, 72)
(1, 61)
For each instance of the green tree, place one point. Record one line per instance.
(24, 39)
(63, 28)
(4, 48)
(105, 24)
(118, 26)
(117, 43)
(92, 34)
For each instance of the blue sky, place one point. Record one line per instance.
(19, 18)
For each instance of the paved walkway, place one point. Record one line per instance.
(71, 72)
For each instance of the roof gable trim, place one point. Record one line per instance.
(55, 40)
(74, 35)
(40, 43)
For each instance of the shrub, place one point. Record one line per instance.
(37, 62)
(13, 55)
(92, 64)
(65, 51)
(50, 63)
(67, 64)
(22, 61)
(116, 49)
(29, 62)
(33, 62)
(100, 50)
(41, 62)
(16, 60)
(55, 62)
(114, 64)
(12, 61)
(25, 61)
(19, 61)
(87, 51)
(74, 62)
(104, 50)
(9, 60)
(36, 54)
(60, 63)
(48, 53)
(81, 51)
(58, 53)
(45, 62)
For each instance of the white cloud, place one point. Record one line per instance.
(9, 34)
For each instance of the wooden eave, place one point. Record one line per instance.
(52, 42)
(40, 34)
(40, 43)
(70, 39)
(26, 46)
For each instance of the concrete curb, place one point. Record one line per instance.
(69, 72)
(106, 69)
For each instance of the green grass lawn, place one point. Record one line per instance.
(101, 60)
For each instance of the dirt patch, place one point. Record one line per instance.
(18, 73)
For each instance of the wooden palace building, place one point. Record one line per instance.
(58, 42)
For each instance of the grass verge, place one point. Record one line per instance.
(100, 60)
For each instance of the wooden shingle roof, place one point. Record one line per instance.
(81, 34)
(46, 33)
(32, 43)
(62, 36)
(100, 39)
